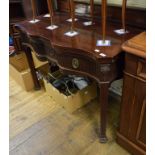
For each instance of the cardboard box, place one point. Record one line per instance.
(37, 62)
(19, 61)
(19, 70)
(117, 86)
(72, 102)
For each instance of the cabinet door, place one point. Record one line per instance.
(141, 131)
(133, 110)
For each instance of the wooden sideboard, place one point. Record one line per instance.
(132, 129)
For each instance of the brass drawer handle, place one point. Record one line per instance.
(75, 63)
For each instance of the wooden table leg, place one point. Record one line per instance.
(103, 99)
(32, 68)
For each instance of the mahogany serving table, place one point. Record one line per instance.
(77, 55)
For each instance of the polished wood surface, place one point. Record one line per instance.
(92, 10)
(104, 19)
(40, 126)
(124, 14)
(136, 45)
(83, 45)
(55, 47)
(34, 10)
(86, 41)
(72, 13)
(132, 128)
(51, 11)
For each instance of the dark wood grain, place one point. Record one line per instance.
(31, 65)
(72, 12)
(86, 41)
(21, 10)
(132, 128)
(92, 10)
(103, 110)
(104, 19)
(136, 45)
(51, 11)
(124, 14)
(34, 10)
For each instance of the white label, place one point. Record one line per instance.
(103, 43)
(34, 21)
(102, 54)
(71, 34)
(121, 31)
(47, 15)
(52, 27)
(87, 23)
(70, 20)
(97, 50)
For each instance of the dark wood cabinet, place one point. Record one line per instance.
(16, 14)
(132, 128)
(20, 10)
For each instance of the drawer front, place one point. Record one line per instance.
(141, 69)
(135, 65)
(77, 62)
(133, 115)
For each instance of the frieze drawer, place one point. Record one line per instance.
(77, 62)
(135, 66)
(141, 69)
